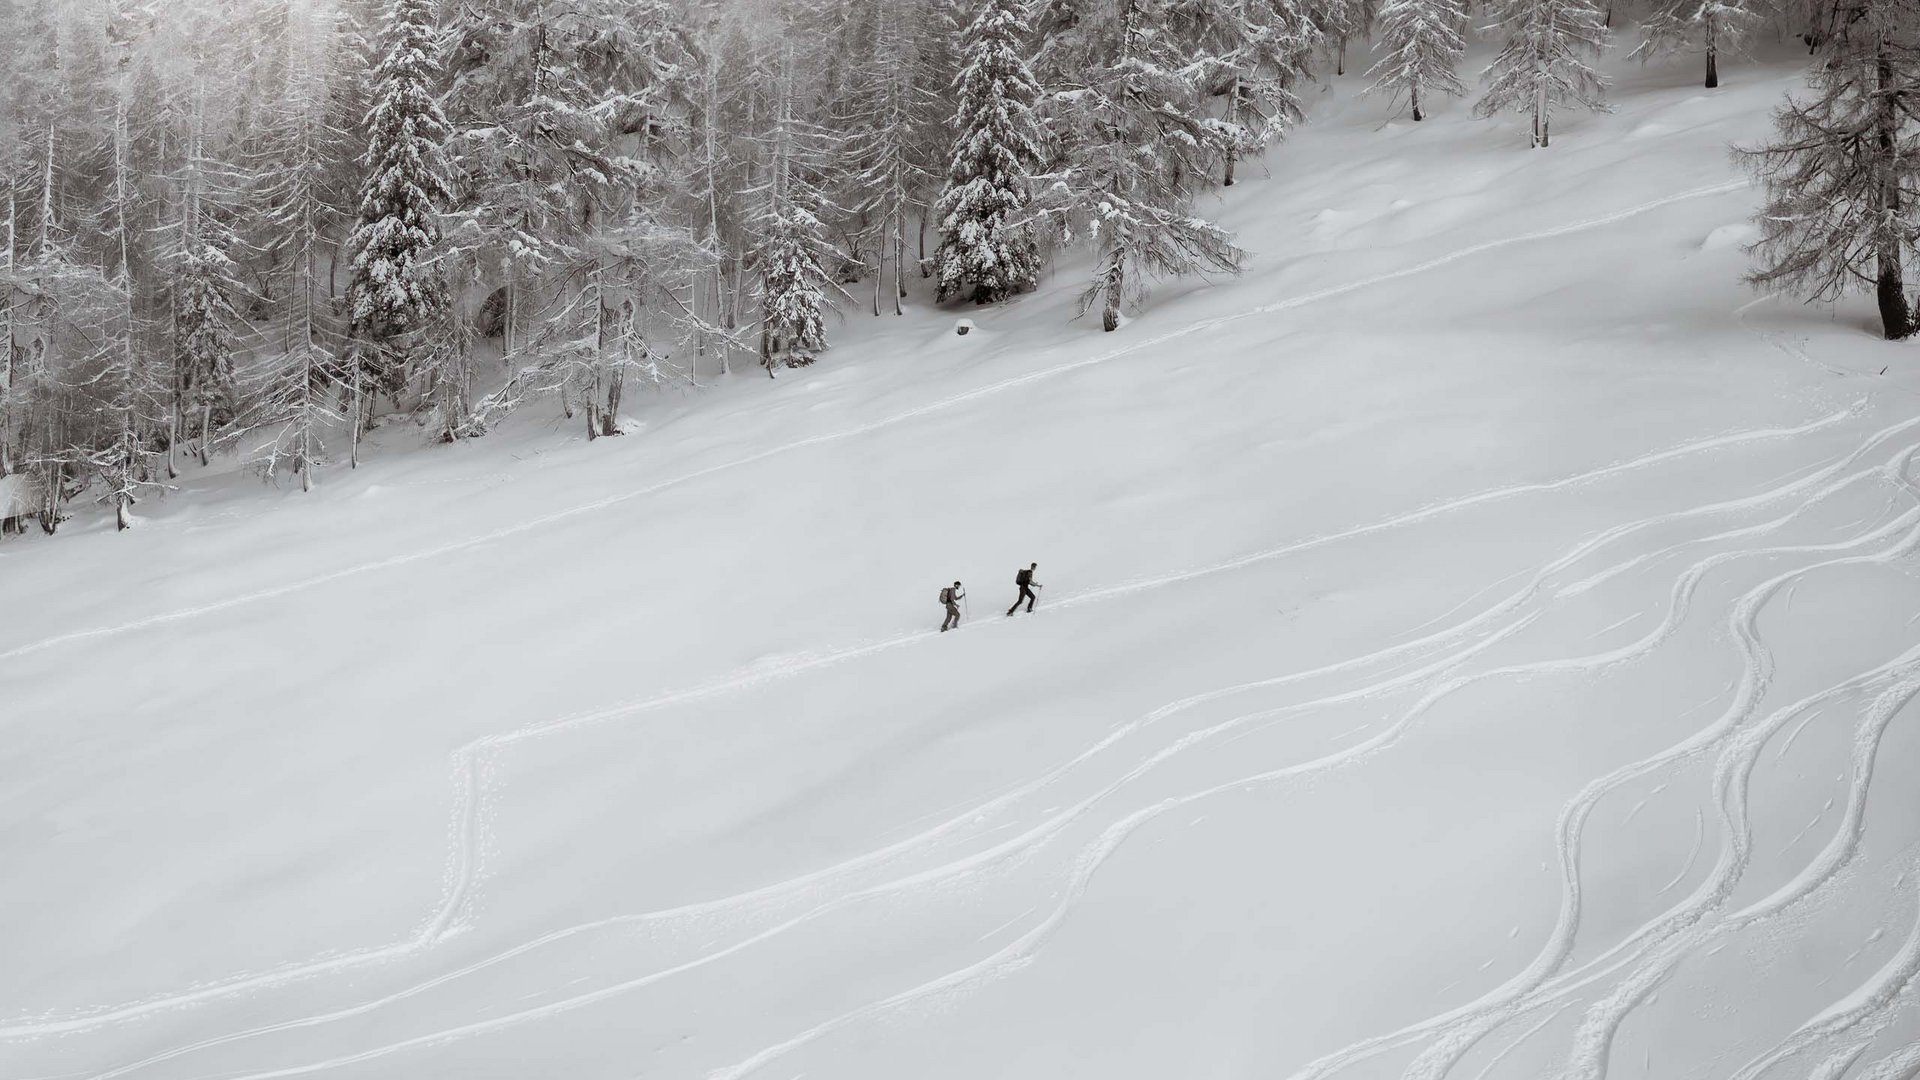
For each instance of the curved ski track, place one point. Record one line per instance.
(1436, 658)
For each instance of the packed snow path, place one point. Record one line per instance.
(1479, 643)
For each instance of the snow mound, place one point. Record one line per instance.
(1739, 234)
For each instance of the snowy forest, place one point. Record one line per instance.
(249, 228)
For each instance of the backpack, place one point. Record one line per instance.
(946, 596)
(1023, 578)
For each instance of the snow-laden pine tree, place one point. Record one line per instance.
(203, 280)
(1710, 26)
(986, 243)
(1843, 167)
(1421, 42)
(795, 287)
(1543, 63)
(396, 290)
(1135, 145)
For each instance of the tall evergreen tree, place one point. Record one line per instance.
(395, 289)
(1842, 170)
(985, 241)
(791, 249)
(1422, 43)
(1544, 61)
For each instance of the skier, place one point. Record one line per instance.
(1024, 579)
(952, 597)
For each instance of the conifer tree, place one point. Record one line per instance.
(791, 250)
(1543, 63)
(1711, 26)
(1842, 170)
(1135, 144)
(396, 290)
(985, 241)
(1422, 42)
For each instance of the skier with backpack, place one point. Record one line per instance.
(951, 596)
(1024, 579)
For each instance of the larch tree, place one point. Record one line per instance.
(1712, 27)
(1422, 43)
(1842, 168)
(986, 243)
(889, 174)
(1543, 63)
(1135, 144)
(307, 199)
(1253, 54)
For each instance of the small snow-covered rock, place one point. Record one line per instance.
(1727, 236)
(963, 327)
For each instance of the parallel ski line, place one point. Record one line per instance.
(468, 757)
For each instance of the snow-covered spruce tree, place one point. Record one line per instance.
(1842, 169)
(790, 246)
(1135, 144)
(395, 289)
(202, 280)
(1543, 63)
(985, 241)
(1711, 26)
(1422, 44)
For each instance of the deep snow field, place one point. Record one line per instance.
(1479, 641)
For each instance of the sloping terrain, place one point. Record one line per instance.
(1479, 641)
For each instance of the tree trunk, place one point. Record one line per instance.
(1540, 108)
(353, 455)
(899, 266)
(925, 270)
(610, 417)
(206, 430)
(1413, 98)
(1896, 317)
(122, 521)
(1110, 314)
(1713, 55)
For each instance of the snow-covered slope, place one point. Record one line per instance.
(1479, 641)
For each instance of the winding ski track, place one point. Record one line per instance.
(1436, 660)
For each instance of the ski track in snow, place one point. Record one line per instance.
(1673, 935)
(1446, 1052)
(1823, 482)
(941, 405)
(1648, 953)
(467, 759)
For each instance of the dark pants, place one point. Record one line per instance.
(953, 617)
(1026, 593)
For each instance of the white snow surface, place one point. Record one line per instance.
(1479, 642)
